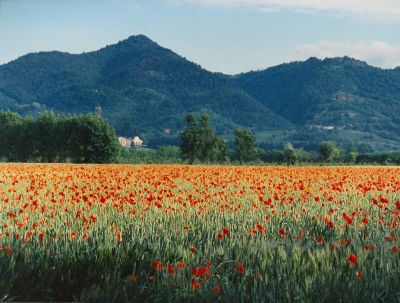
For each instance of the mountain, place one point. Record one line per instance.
(343, 98)
(142, 88)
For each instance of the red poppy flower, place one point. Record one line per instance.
(347, 219)
(239, 267)
(180, 265)
(8, 249)
(217, 290)
(119, 236)
(195, 284)
(225, 230)
(352, 259)
(171, 269)
(157, 265)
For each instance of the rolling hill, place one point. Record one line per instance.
(340, 98)
(144, 88)
(141, 87)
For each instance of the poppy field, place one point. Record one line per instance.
(166, 233)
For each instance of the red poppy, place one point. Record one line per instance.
(347, 218)
(239, 267)
(352, 259)
(133, 278)
(180, 265)
(195, 284)
(157, 265)
(171, 269)
(261, 228)
(11, 215)
(119, 236)
(225, 230)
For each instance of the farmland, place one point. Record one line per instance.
(199, 233)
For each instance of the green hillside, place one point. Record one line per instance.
(336, 97)
(144, 88)
(141, 87)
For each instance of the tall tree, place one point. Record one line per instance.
(290, 154)
(95, 140)
(47, 141)
(199, 141)
(327, 150)
(189, 139)
(10, 123)
(49, 138)
(245, 145)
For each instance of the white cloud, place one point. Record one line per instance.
(379, 9)
(376, 53)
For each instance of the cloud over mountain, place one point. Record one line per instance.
(382, 9)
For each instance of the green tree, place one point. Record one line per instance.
(219, 150)
(352, 156)
(245, 145)
(327, 151)
(290, 154)
(199, 141)
(189, 139)
(10, 124)
(47, 141)
(97, 139)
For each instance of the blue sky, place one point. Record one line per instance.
(229, 36)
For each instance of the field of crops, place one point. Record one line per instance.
(199, 233)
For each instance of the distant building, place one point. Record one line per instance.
(137, 142)
(125, 142)
(324, 127)
(129, 142)
(98, 111)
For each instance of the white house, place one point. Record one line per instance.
(125, 142)
(137, 142)
(128, 142)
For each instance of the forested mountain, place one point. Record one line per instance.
(141, 87)
(347, 98)
(144, 89)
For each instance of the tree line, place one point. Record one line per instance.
(199, 143)
(56, 138)
(90, 139)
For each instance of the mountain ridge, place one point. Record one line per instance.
(145, 88)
